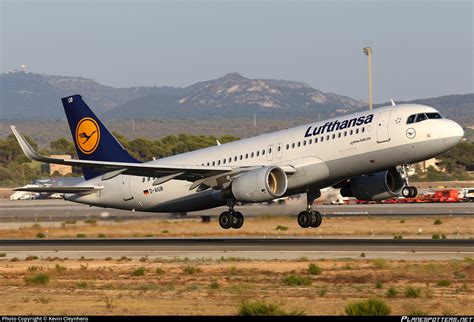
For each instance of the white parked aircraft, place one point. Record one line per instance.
(365, 154)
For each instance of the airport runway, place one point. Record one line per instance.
(251, 248)
(60, 210)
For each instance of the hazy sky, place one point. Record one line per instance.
(421, 48)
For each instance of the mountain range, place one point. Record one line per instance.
(31, 96)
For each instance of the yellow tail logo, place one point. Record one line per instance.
(87, 135)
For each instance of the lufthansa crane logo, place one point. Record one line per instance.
(87, 135)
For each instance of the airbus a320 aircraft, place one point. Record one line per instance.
(365, 154)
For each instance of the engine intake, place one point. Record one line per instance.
(260, 185)
(376, 186)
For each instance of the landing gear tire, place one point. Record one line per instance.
(409, 192)
(316, 219)
(226, 220)
(304, 219)
(238, 220)
(413, 192)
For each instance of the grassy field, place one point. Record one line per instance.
(153, 286)
(426, 227)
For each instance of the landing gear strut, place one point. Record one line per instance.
(310, 217)
(407, 191)
(231, 219)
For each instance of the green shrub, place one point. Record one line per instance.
(81, 235)
(60, 268)
(412, 292)
(436, 236)
(378, 284)
(296, 280)
(140, 271)
(101, 235)
(437, 222)
(444, 283)
(40, 235)
(33, 268)
(90, 221)
(214, 286)
(31, 257)
(322, 291)
(281, 228)
(3, 254)
(38, 279)
(259, 308)
(380, 263)
(191, 270)
(81, 284)
(314, 269)
(392, 292)
(368, 308)
(159, 271)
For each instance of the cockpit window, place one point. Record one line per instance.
(420, 117)
(434, 116)
(411, 119)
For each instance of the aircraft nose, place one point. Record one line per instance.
(457, 131)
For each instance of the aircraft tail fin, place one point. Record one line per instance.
(92, 139)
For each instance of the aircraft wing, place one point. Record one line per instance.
(60, 189)
(196, 174)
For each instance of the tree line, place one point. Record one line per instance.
(15, 166)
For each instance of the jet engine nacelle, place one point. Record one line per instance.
(259, 185)
(376, 186)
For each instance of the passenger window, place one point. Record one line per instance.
(213, 163)
(246, 155)
(316, 140)
(357, 131)
(339, 134)
(219, 162)
(279, 148)
(345, 133)
(223, 161)
(251, 155)
(292, 145)
(143, 180)
(241, 157)
(310, 141)
(235, 158)
(230, 159)
(327, 137)
(287, 146)
(322, 138)
(420, 117)
(333, 136)
(351, 132)
(363, 129)
(304, 142)
(299, 143)
(270, 150)
(208, 164)
(411, 119)
(258, 153)
(263, 152)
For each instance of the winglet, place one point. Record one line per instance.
(393, 103)
(25, 146)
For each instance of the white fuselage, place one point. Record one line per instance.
(322, 153)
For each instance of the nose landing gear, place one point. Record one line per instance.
(407, 191)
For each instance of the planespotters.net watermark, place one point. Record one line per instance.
(437, 319)
(45, 319)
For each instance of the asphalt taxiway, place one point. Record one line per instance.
(250, 248)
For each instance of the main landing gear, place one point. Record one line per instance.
(310, 217)
(231, 219)
(407, 191)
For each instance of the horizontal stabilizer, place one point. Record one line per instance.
(60, 189)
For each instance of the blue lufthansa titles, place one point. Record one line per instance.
(336, 125)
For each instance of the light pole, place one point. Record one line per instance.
(368, 52)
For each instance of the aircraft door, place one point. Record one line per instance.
(270, 152)
(279, 150)
(382, 127)
(126, 193)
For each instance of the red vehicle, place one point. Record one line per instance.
(446, 195)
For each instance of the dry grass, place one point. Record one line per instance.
(108, 287)
(260, 226)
